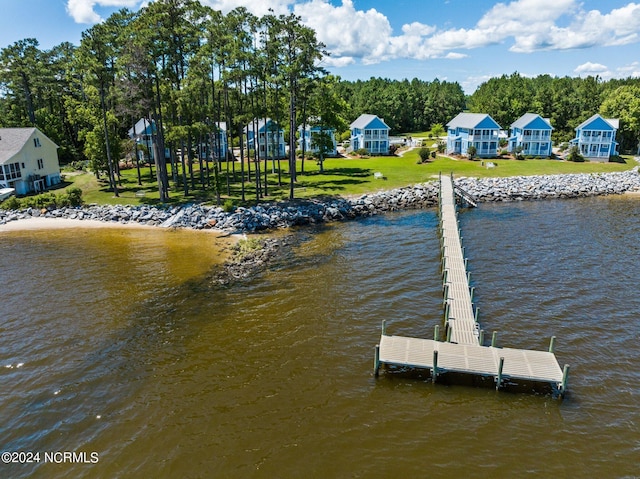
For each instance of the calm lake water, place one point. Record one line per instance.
(127, 349)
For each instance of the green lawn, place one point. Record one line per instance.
(342, 176)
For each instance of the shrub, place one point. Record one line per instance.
(617, 159)
(471, 152)
(227, 206)
(11, 203)
(361, 152)
(393, 149)
(424, 153)
(74, 197)
(574, 155)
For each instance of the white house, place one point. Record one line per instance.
(596, 138)
(216, 146)
(310, 135)
(473, 129)
(532, 133)
(28, 160)
(142, 133)
(371, 133)
(270, 138)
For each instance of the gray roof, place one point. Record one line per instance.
(527, 118)
(365, 120)
(471, 120)
(12, 140)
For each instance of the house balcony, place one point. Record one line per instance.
(493, 137)
(536, 137)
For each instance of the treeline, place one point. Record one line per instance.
(184, 67)
(189, 68)
(566, 101)
(406, 106)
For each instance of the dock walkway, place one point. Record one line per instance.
(463, 351)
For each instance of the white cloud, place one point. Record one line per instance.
(591, 68)
(259, 8)
(346, 31)
(353, 35)
(630, 70)
(473, 82)
(82, 11)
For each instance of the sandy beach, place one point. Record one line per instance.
(63, 223)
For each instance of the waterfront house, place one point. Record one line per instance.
(596, 138)
(371, 133)
(220, 146)
(270, 138)
(310, 138)
(532, 134)
(28, 160)
(473, 129)
(142, 133)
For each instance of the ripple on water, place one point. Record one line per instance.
(272, 377)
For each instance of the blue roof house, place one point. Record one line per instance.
(473, 129)
(310, 135)
(596, 138)
(270, 138)
(371, 133)
(220, 146)
(142, 133)
(532, 133)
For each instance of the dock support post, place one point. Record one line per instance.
(445, 294)
(481, 338)
(449, 334)
(444, 276)
(499, 378)
(466, 263)
(552, 344)
(473, 288)
(446, 312)
(436, 333)
(434, 373)
(468, 276)
(376, 361)
(494, 339)
(565, 376)
(476, 314)
(384, 327)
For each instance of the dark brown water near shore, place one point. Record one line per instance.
(144, 361)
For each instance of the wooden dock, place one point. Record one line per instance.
(463, 351)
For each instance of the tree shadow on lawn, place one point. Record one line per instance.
(353, 172)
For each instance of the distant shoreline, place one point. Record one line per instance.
(266, 217)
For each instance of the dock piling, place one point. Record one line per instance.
(376, 361)
(434, 373)
(565, 377)
(494, 339)
(500, 368)
(552, 344)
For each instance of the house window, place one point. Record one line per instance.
(11, 172)
(36, 142)
(40, 164)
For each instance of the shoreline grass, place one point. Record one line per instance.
(341, 177)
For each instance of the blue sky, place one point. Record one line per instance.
(467, 41)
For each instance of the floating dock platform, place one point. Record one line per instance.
(463, 351)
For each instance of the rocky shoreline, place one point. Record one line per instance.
(266, 217)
